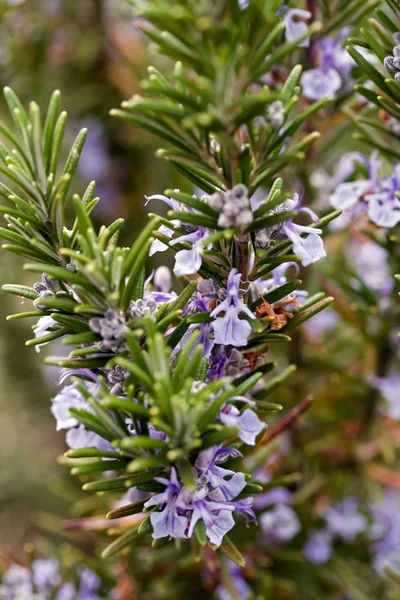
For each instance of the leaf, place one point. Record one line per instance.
(21, 290)
(124, 540)
(229, 548)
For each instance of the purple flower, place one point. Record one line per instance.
(371, 261)
(383, 204)
(311, 248)
(17, 583)
(89, 584)
(345, 520)
(295, 27)
(168, 522)
(280, 524)
(389, 388)
(333, 72)
(216, 516)
(242, 588)
(248, 423)
(385, 530)
(80, 437)
(70, 397)
(320, 83)
(318, 548)
(66, 592)
(188, 262)
(214, 476)
(44, 326)
(260, 287)
(230, 330)
(211, 502)
(46, 573)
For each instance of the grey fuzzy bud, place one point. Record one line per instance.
(111, 328)
(142, 308)
(276, 114)
(216, 201)
(244, 218)
(225, 221)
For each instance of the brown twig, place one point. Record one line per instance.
(287, 421)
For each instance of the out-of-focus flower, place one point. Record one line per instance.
(296, 26)
(345, 521)
(318, 548)
(333, 72)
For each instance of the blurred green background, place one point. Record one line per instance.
(89, 50)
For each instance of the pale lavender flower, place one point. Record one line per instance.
(311, 248)
(188, 262)
(89, 584)
(280, 524)
(346, 195)
(17, 584)
(383, 204)
(320, 83)
(296, 26)
(80, 437)
(212, 501)
(168, 522)
(371, 261)
(389, 387)
(321, 323)
(260, 287)
(216, 516)
(70, 397)
(143, 307)
(333, 72)
(230, 329)
(44, 326)
(66, 592)
(223, 484)
(242, 588)
(46, 573)
(318, 548)
(248, 423)
(345, 520)
(385, 530)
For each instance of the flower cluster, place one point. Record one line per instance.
(43, 581)
(213, 501)
(375, 195)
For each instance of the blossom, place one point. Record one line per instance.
(248, 423)
(211, 502)
(371, 261)
(70, 397)
(389, 388)
(242, 588)
(188, 262)
(345, 520)
(230, 330)
(318, 548)
(295, 26)
(311, 248)
(280, 524)
(320, 83)
(44, 326)
(168, 522)
(46, 573)
(383, 204)
(216, 516)
(333, 72)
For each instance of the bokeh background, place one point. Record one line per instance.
(89, 50)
